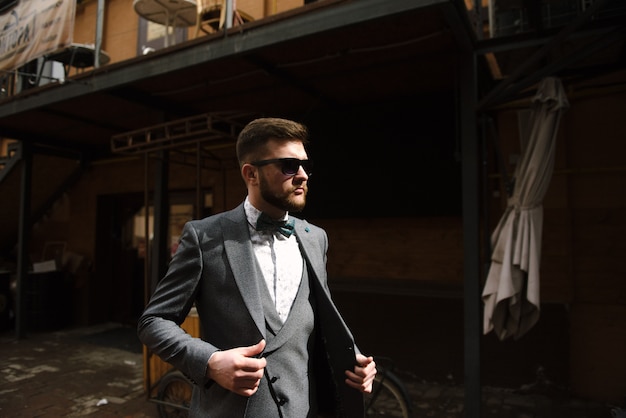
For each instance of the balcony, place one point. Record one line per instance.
(505, 18)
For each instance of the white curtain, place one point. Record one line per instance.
(511, 292)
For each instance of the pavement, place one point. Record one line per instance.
(97, 371)
(92, 371)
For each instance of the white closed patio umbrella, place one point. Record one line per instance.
(511, 292)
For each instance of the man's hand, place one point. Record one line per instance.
(363, 375)
(238, 369)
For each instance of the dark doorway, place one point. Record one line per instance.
(116, 293)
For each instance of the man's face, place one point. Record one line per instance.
(284, 191)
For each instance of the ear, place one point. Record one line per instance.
(248, 172)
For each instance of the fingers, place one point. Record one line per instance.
(365, 365)
(363, 375)
(363, 361)
(357, 382)
(239, 369)
(253, 350)
(251, 361)
(246, 386)
(247, 378)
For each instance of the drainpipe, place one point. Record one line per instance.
(99, 24)
(229, 14)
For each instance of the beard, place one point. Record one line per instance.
(282, 200)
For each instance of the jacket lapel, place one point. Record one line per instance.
(241, 258)
(309, 248)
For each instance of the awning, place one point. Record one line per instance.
(511, 292)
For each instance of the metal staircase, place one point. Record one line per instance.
(53, 175)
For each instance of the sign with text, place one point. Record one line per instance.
(33, 28)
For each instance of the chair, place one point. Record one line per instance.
(79, 56)
(212, 16)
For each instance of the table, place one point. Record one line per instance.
(170, 13)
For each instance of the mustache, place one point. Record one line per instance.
(304, 187)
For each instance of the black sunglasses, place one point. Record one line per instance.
(288, 166)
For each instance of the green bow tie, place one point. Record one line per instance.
(265, 223)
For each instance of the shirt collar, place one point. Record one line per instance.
(252, 213)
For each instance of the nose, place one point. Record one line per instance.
(301, 173)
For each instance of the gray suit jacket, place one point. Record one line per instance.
(214, 267)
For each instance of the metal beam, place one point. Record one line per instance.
(606, 40)
(159, 246)
(503, 88)
(471, 237)
(470, 154)
(24, 228)
(510, 43)
(217, 127)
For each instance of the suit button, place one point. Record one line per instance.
(282, 401)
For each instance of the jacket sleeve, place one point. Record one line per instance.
(159, 325)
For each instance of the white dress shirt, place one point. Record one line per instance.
(280, 261)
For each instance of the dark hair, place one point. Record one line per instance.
(255, 135)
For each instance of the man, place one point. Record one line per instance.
(273, 343)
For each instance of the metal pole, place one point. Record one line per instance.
(199, 195)
(147, 289)
(99, 25)
(229, 14)
(160, 245)
(471, 236)
(21, 321)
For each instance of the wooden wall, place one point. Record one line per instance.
(120, 27)
(596, 183)
(427, 250)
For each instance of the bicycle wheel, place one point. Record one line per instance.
(174, 395)
(389, 398)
